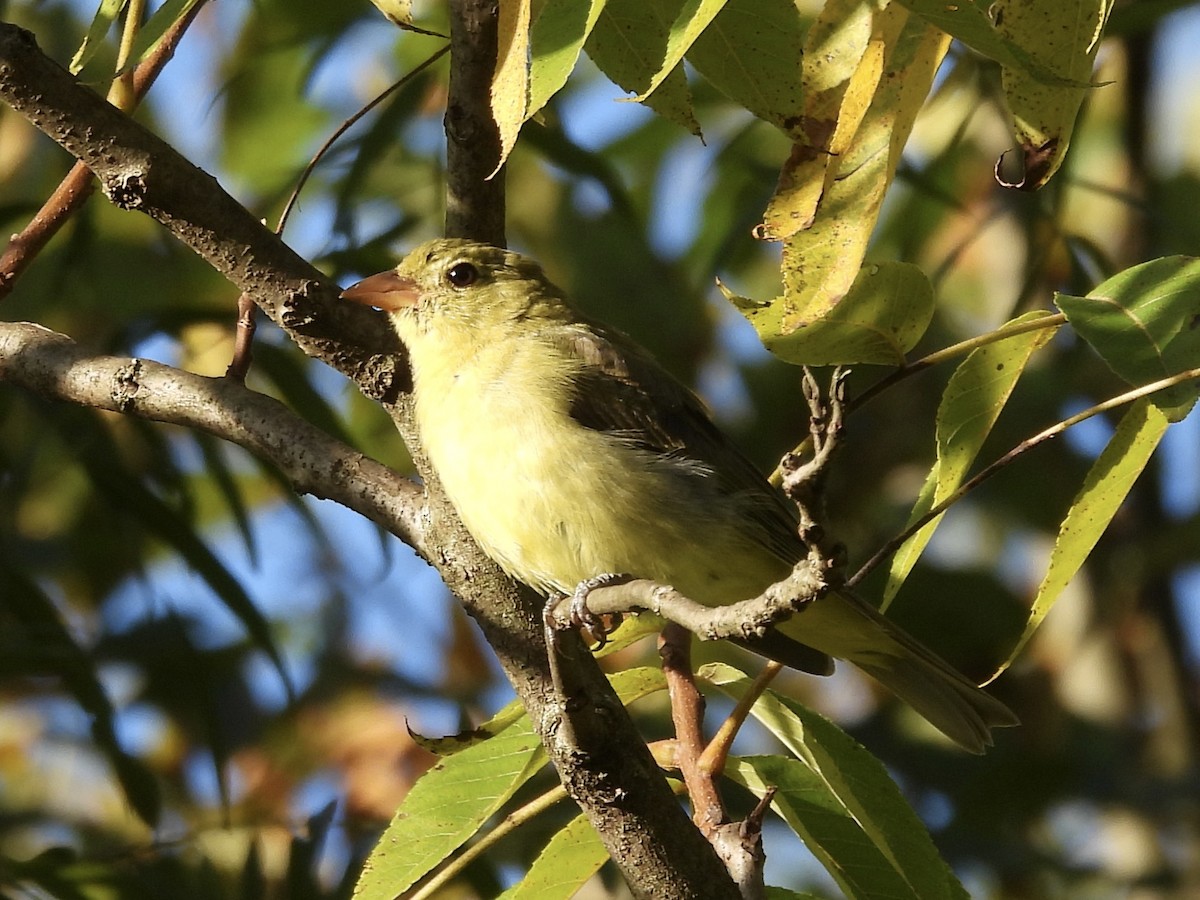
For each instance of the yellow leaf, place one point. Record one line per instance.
(398, 12)
(821, 262)
(510, 83)
(1063, 36)
(840, 71)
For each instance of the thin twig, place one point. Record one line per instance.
(243, 339)
(716, 754)
(962, 348)
(939, 356)
(77, 185)
(346, 126)
(239, 365)
(687, 714)
(1026, 445)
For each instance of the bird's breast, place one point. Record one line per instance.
(554, 502)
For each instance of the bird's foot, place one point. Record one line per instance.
(579, 616)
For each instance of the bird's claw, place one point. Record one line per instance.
(579, 616)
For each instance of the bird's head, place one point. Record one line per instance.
(449, 283)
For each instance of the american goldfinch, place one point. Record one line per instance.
(568, 452)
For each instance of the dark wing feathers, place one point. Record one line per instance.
(622, 390)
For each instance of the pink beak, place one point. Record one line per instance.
(387, 291)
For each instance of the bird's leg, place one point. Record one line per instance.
(580, 617)
(804, 481)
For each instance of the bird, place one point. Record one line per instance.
(570, 453)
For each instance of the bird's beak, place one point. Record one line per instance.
(387, 291)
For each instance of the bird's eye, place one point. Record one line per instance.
(462, 274)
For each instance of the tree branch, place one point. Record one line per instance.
(745, 620)
(139, 171)
(474, 202)
(51, 365)
(77, 185)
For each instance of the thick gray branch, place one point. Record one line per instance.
(139, 171)
(52, 365)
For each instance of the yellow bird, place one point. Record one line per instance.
(568, 452)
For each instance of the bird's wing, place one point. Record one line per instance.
(623, 391)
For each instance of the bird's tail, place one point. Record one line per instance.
(846, 627)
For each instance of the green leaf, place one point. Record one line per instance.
(1142, 322)
(451, 801)
(510, 81)
(446, 806)
(556, 39)
(841, 801)
(1107, 484)
(884, 314)
(688, 25)
(504, 719)
(106, 14)
(1063, 36)
(159, 23)
(629, 43)
(630, 631)
(572, 856)
(630, 684)
(973, 23)
(970, 406)
(751, 54)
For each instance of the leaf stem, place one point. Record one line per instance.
(938, 356)
(121, 92)
(962, 348)
(1028, 444)
(716, 754)
(346, 126)
(504, 827)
